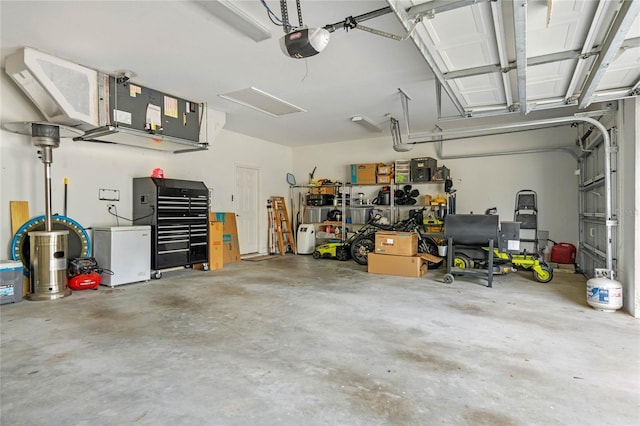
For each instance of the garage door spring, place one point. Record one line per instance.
(395, 131)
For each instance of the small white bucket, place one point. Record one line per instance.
(442, 251)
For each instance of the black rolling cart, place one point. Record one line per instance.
(177, 211)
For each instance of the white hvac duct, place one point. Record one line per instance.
(82, 98)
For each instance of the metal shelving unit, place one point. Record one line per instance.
(312, 220)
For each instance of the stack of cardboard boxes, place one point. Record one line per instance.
(396, 253)
(371, 173)
(385, 173)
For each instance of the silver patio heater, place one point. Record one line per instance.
(48, 258)
(48, 248)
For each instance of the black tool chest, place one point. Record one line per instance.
(177, 211)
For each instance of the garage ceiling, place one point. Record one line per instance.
(525, 55)
(464, 59)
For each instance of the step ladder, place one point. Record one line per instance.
(526, 212)
(281, 225)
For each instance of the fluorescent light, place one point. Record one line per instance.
(237, 18)
(367, 123)
(262, 101)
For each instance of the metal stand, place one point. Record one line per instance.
(451, 270)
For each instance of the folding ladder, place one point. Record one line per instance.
(526, 212)
(281, 225)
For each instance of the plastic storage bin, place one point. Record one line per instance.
(313, 214)
(10, 281)
(359, 215)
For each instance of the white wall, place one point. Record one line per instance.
(629, 209)
(92, 166)
(480, 182)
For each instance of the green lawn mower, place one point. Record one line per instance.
(333, 250)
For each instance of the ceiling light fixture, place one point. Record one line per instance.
(237, 18)
(367, 123)
(262, 101)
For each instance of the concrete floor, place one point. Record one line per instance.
(297, 341)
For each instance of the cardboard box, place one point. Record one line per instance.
(364, 174)
(403, 266)
(396, 243)
(427, 200)
(230, 243)
(383, 169)
(384, 178)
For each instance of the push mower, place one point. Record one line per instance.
(344, 250)
(334, 250)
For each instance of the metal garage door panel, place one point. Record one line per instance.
(463, 41)
(634, 31)
(623, 72)
(566, 30)
(549, 80)
(480, 90)
(467, 55)
(455, 49)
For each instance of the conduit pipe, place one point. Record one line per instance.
(500, 153)
(610, 221)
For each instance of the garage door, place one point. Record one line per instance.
(598, 230)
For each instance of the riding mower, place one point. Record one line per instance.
(503, 262)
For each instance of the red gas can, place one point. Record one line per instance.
(563, 253)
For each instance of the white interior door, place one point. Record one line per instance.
(246, 206)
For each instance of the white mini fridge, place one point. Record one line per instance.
(125, 251)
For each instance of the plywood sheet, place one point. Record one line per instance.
(19, 214)
(216, 257)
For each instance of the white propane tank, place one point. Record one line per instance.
(604, 294)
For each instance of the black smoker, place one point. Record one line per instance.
(470, 232)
